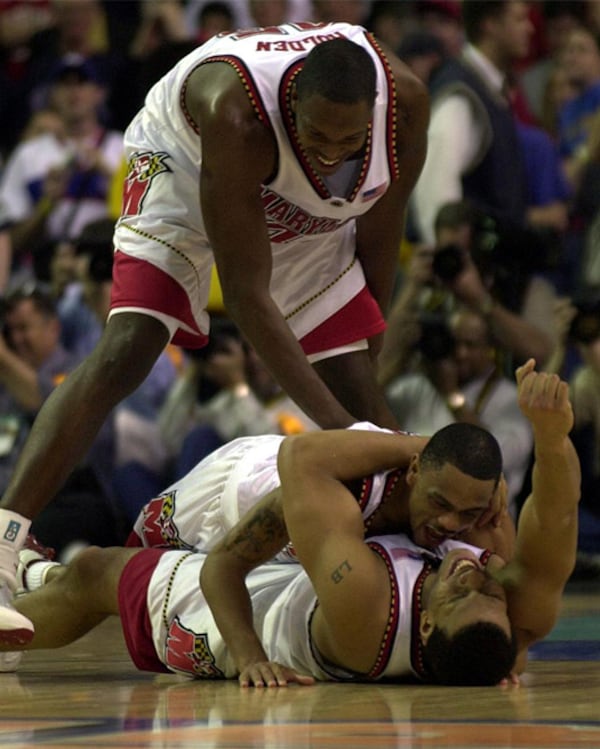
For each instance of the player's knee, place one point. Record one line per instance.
(86, 575)
(130, 343)
(84, 569)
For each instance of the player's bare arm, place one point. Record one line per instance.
(261, 533)
(326, 529)
(239, 154)
(255, 539)
(547, 533)
(380, 230)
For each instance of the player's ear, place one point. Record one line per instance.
(426, 626)
(413, 469)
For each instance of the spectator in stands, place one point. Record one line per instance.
(51, 188)
(473, 149)
(423, 52)
(579, 322)
(443, 19)
(459, 380)
(348, 11)
(19, 22)
(32, 364)
(81, 28)
(581, 61)
(389, 21)
(559, 18)
(474, 262)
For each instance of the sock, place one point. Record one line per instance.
(13, 532)
(35, 574)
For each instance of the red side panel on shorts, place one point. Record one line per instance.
(359, 318)
(138, 283)
(133, 608)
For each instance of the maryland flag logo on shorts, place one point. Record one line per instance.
(159, 529)
(142, 168)
(190, 652)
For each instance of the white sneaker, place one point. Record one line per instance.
(15, 629)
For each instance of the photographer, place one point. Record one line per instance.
(497, 270)
(459, 380)
(489, 270)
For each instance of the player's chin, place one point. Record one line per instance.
(429, 539)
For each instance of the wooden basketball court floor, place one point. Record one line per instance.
(89, 695)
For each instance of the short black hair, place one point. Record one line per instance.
(480, 654)
(475, 12)
(470, 448)
(340, 71)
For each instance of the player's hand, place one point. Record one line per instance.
(271, 674)
(498, 508)
(544, 400)
(512, 679)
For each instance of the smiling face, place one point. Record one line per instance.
(463, 592)
(330, 132)
(444, 502)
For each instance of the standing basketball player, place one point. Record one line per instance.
(287, 155)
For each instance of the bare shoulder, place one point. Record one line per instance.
(215, 92)
(231, 131)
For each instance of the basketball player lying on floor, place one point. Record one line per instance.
(355, 609)
(395, 495)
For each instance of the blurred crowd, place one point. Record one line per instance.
(500, 262)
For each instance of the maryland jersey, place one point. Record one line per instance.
(184, 638)
(310, 225)
(199, 509)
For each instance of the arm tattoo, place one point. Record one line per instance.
(262, 535)
(339, 573)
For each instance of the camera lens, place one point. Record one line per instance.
(448, 262)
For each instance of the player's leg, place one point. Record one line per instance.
(351, 377)
(75, 598)
(62, 433)
(343, 348)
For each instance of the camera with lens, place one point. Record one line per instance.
(503, 252)
(448, 262)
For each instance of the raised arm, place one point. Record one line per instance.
(238, 155)
(547, 530)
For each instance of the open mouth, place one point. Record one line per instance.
(461, 564)
(326, 162)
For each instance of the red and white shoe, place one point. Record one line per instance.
(15, 629)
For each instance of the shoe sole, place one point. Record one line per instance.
(15, 629)
(13, 637)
